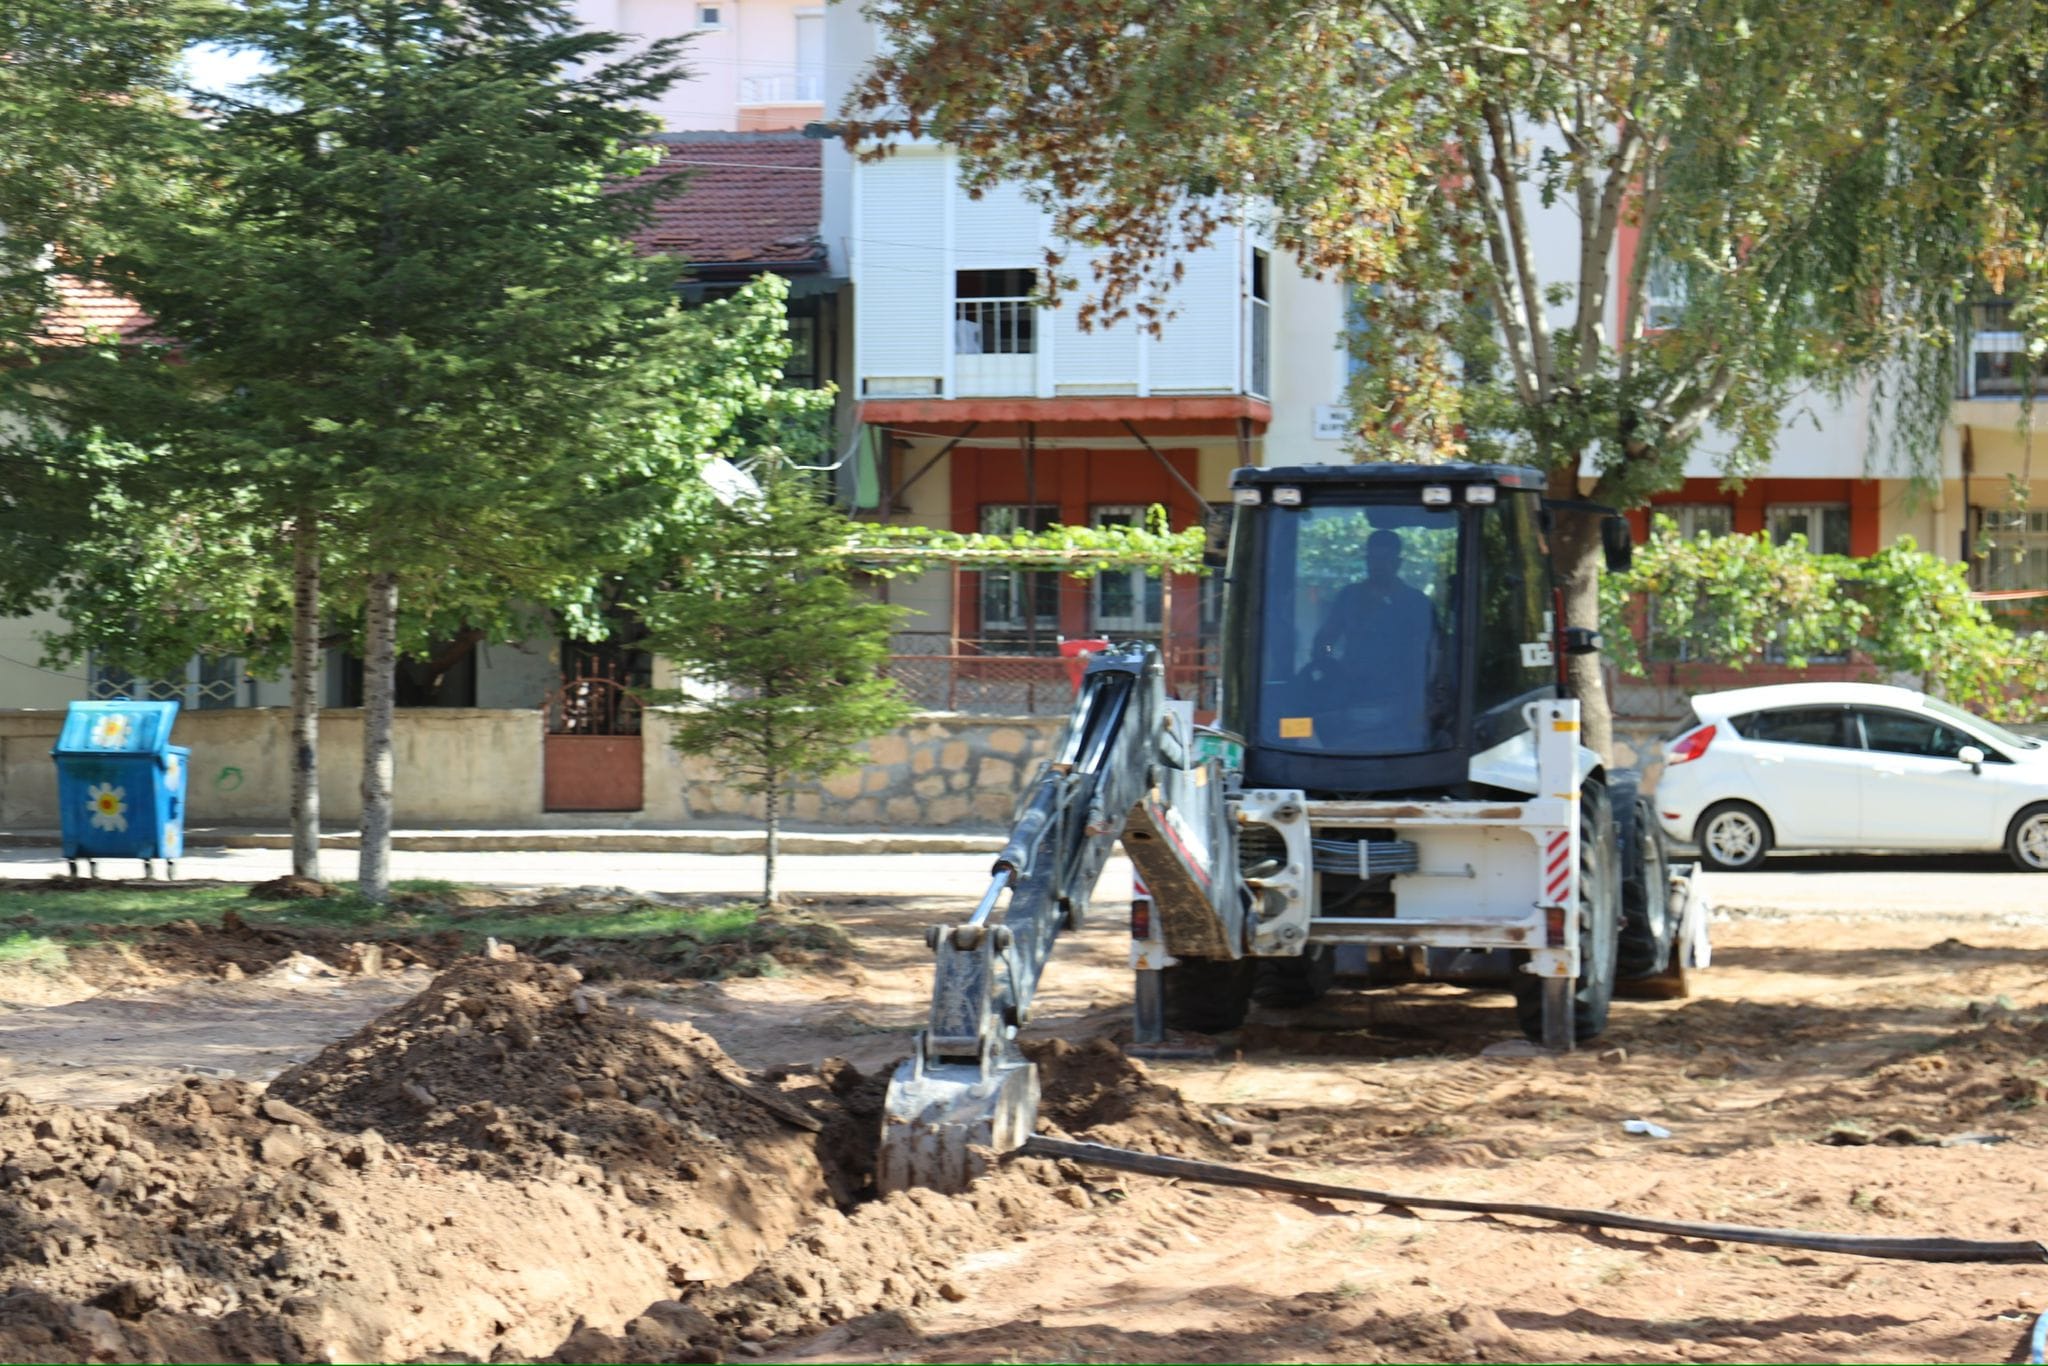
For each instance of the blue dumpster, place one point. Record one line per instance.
(121, 784)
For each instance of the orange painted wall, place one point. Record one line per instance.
(1075, 481)
(1751, 503)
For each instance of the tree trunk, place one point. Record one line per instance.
(774, 814)
(1576, 559)
(380, 677)
(306, 697)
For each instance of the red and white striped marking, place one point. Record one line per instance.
(1557, 867)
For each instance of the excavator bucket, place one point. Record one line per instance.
(943, 1123)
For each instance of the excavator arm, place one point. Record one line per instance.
(966, 1091)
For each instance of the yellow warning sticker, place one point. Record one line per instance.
(1564, 725)
(1297, 727)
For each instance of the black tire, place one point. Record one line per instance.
(2026, 839)
(1646, 932)
(1733, 837)
(1599, 927)
(1290, 983)
(1206, 995)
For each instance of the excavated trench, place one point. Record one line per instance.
(507, 1166)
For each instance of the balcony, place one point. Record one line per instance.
(995, 347)
(787, 87)
(1996, 363)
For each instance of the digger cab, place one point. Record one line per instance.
(1386, 625)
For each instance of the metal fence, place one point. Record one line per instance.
(1002, 678)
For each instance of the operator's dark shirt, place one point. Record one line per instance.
(1382, 650)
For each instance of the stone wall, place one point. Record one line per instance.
(939, 772)
(481, 767)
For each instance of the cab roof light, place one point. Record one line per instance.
(1245, 498)
(1436, 495)
(1287, 496)
(1481, 494)
(1690, 746)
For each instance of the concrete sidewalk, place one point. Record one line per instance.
(556, 839)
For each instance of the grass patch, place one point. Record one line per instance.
(65, 908)
(25, 950)
(732, 939)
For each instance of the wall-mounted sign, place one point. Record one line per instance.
(1333, 421)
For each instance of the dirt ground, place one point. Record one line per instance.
(467, 1159)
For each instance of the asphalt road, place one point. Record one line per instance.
(1882, 886)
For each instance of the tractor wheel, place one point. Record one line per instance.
(1290, 983)
(1647, 934)
(1599, 928)
(1207, 995)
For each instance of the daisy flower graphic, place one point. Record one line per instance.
(110, 730)
(173, 770)
(109, 806)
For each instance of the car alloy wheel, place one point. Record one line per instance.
(2030, 841)
(1734, 839)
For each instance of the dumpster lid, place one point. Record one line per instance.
(117, 726)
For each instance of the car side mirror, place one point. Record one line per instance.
(1618, 542)
(1972, 756)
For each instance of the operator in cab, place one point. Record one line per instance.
(1379, 644)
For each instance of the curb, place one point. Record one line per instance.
(750, 842)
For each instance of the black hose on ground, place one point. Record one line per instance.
(1218, 1174)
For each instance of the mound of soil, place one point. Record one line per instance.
(892, 1255)
(521, 1069)
(290, 887)
(480, 1171)
(1091, 1090)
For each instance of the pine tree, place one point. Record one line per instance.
(769, 622)
(410, 334)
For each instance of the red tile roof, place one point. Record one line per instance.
(750, 198)
(83, 307)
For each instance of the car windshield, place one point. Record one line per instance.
(1357, 652)
(1978, 723)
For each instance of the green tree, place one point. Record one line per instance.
(79, 82)
(411, 337)
(1741, 599)
(1820, 184)
(766, 621)
(82, 84)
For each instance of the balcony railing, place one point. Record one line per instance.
(995, 345)
(788, 87)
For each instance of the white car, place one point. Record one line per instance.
(1849, 766)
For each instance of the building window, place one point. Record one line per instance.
(1125, 601)
(1217, 523)
(1824, 525)
(1999, 365)
(2015, 548)
(802, 370)
(711, 16)
(1695, 519)
(207, 682)
(1008, 595)
(1260, 321)
(1664, 294)
(994, 312)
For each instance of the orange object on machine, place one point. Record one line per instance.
(1075, 653)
